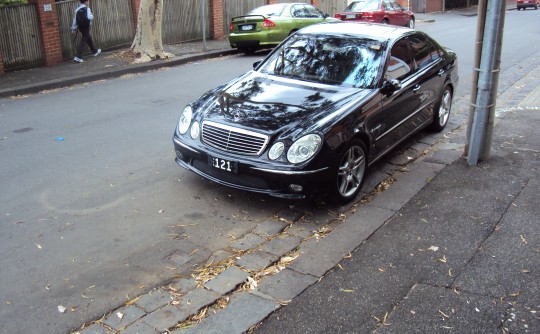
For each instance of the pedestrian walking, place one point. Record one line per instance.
(82, 20)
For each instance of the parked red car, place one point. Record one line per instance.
(523, 4)
(378, 11)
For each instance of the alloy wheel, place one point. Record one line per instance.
(351, 171)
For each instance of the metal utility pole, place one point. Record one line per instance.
(483, 99)
(203, 12)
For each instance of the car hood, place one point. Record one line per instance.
(269, 103)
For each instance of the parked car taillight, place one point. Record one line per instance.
(268, 24)
(231, 28)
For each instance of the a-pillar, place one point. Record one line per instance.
(49, 28)
(216, 19)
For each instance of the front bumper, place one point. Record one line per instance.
(253, 176)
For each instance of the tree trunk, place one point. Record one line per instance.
(147, 44)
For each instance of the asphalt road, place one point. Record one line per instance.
(93, 206)
(95, 211)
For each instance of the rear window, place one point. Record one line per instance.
(271, 10)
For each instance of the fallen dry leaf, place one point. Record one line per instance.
(442, 259)
(443, 314)
(61, 309)
(130, 302)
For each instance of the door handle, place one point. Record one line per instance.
(416, 88)
(440, 73)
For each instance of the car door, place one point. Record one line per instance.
(390, 12)
(400, 15)
(393, 121)
(431, 75)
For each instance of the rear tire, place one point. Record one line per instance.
(442, 111)
(350, 172)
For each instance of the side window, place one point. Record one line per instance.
(396, 6)
(298, 11)
(313, 12)
(387, 5)
(400, 64)
(423, 51)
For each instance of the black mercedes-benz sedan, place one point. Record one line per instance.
(326, 103)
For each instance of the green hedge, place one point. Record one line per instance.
(11, 2)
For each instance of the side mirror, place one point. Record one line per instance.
(390, 86)
(257, 63)
(325, 16)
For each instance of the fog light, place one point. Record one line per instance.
(296, 187)
(179, 155)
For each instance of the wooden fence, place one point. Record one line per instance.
(331, 7)
(112, 27)
(20, 41)
(183, 20)
(232, 8)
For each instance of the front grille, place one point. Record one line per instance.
(234, 140)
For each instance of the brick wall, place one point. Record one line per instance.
(50, 35)
(216, 16)
(135, 4)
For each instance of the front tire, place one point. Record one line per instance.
(350, 172)
(442, 111)
(411, 23)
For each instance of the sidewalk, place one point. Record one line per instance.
(107, 65)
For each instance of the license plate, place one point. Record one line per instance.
(351, 16)
(247, 27)
(223, 164)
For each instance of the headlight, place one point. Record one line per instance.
(185, 120)
(304, 148)
(195, 130)
(276, 150)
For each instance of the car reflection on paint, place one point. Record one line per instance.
(317, 111)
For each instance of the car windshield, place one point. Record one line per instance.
(271, 10)
(329, 60)
(360, 6)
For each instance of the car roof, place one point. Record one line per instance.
(380, 32)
